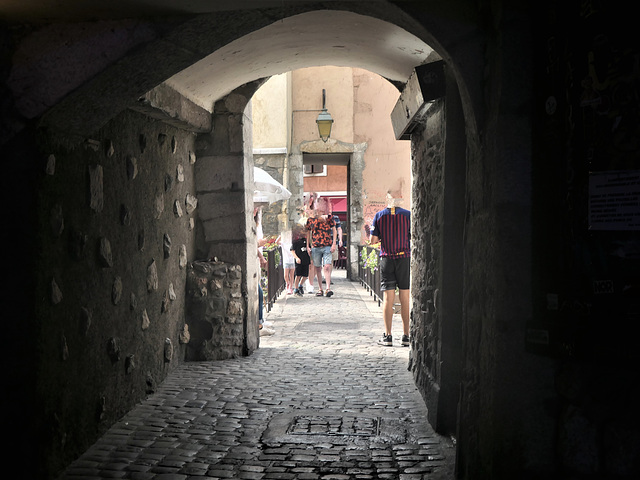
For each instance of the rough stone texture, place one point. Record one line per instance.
(214, 311)
(514, 261)
(97, 260)
(426, 245)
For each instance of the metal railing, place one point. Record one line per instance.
(274, 273)
(369, 278)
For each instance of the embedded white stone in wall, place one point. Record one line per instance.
(96, 193)
(166, 245)
(56, 293)
(109, 149)
(105, 256)
(216, 284)
(174, 144)
(192, 224)
(172, 292)
(132, 167)
(184, 336)
(145, 319)
(168, 350)
(180, 173)
(129, 363)
(182, 256)
(57, 220)
(177, 209)
(116, 290)
(164, 308)
(159, 204)
(192, 158)
(50, 169)
(191, 203)
(152, 277)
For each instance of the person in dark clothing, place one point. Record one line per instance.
(392, 228)
(302, 260)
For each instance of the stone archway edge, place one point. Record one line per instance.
(137, 71)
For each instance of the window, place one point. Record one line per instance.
(315, 169)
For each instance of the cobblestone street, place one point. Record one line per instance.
(319, 400)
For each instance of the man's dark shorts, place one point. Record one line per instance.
(395, 272)
(302, 270)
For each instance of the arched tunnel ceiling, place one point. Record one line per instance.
(316, 38)
(80, 10)
(370, 39)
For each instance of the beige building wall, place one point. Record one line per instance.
(285, 109)
(271, 113)
(307, 86)
(387, 160)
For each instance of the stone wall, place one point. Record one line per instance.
(426, 245)
(214, 311)
(116, 217)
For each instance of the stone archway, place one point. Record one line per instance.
(497, 220)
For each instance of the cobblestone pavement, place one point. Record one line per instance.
(318, 400)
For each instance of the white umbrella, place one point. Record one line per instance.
(267, 189)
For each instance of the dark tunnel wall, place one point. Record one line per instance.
(115, 229)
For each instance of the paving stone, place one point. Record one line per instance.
(319, 400)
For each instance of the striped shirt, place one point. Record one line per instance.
(393, 228)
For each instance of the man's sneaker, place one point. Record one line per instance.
(301, 289)
(297, 292)
(386, 340)
(405, 340)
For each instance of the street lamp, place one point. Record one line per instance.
(324, 120)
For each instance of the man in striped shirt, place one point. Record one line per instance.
(392, 228)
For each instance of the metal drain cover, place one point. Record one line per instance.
(315, 426)
(334, 425)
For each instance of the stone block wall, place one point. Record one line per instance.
(214, 311)
(116, 218)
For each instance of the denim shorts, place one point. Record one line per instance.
(321, 256)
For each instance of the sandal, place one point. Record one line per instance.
(329, 293)
(320, 293)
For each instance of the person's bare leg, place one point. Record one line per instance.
(288, 278)
(388, 299)
(327, 275)
(405, 298)
(312, 269)
(319, 277)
